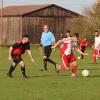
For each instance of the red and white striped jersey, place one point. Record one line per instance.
(68, 45)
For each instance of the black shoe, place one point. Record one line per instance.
(43, 70)
(25, 76)
(10, 75)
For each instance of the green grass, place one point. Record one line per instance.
(49, 85)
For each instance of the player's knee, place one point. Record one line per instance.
(44, 57)
(13, 64)
(22, 64)
(74, 63)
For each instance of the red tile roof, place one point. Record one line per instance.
(22, 10)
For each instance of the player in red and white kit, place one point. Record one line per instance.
(96, 51)
(66, 53)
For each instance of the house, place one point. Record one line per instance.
(19, 20)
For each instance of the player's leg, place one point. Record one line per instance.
(15, 59)
(23, 68)
(45, 62)
(12, 68)
(83, 50)
(74, 68)
(74, 64)
(65, 62)
(45, 57)
(49, 50)
(94, 56)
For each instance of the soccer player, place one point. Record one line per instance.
(83, 45)
(66, 53)
(15, 52)
(68, 34)
(47, 40)
(96, 51)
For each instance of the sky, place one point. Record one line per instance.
(74, 5)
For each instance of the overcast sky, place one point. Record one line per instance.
(74, 5)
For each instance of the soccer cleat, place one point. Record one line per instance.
(43, 70)
(73, 75)
(10, 75)
(25, 76)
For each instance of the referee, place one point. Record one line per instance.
(47, 40)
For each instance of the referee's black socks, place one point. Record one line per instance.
(51, 61)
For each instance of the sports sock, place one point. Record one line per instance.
(94, 59)
(11, 69)
(74, 68)
(23, 71)
(51, 61)
(45, 64)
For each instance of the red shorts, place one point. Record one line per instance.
(67, 59)
(96, 52)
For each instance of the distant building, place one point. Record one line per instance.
(18, 20)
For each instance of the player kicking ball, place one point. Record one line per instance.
(15, 52)
(66, 53)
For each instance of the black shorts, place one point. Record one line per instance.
(47, 51)
(83, 48)
(17, 58)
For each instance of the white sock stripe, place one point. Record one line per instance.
(63, 61)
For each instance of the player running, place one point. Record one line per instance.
(96, 51)
(15, 52)
(83, 44)
(66, 53)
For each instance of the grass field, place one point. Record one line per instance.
(49, 85)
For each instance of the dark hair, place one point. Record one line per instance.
(25, 36)
(96, 31)
(68, 31)
(76, 35)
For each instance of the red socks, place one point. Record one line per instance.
(74, 68)
(94, 59)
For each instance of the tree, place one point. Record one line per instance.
(92, 21)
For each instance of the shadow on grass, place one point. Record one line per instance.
(94, 76)
(38, 76)
(93, 63)
(89, 69)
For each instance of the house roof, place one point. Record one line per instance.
(22, 10)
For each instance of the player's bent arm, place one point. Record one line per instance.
(30, 55)
(10, 50)
(79, 51)
(58, 42)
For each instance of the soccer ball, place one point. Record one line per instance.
(85, 73)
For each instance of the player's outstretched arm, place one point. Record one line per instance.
(80, 52)
(30, 55)
(58, 42)
(10, 50)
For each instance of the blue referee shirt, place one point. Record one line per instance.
(47, 38)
